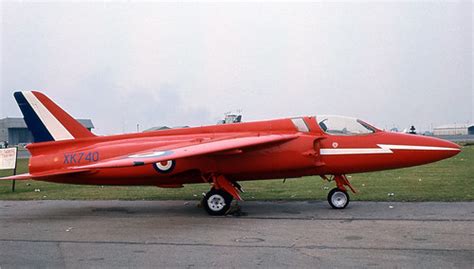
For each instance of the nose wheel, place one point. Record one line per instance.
(217, 202)
(338, 199)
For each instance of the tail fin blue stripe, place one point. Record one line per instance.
(35, 125)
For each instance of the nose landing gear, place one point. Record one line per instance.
(338, 198)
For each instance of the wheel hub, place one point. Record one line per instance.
(216, 202)
(339, 199)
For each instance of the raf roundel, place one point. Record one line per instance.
(165, 166)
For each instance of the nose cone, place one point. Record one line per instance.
(434, 149)
(451, 149)
(410, 150)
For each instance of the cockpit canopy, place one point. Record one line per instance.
(339, 125)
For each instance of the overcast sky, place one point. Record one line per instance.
(392, 64)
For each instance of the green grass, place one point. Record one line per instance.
(448, 180)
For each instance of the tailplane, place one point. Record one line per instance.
(46, 120)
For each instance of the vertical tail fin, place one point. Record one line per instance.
(46, 120)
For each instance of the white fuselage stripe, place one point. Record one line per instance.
(407, 147)
(55, 128)
(383, 149)
(352, 151)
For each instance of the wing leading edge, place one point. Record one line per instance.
(159, 155)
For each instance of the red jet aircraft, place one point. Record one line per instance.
(328, 146)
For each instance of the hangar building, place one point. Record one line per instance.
(14, 130)
(159, 128)
(454, 129)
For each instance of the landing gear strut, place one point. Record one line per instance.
(338, 197)
(218, 200)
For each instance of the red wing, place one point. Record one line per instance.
(159, 155)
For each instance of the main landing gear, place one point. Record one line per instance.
(218, 200)
(338, 197)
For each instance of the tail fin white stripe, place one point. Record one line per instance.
(55, 128)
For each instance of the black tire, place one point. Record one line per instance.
(217, 202)
(338, 199)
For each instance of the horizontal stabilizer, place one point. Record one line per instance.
(44, 174)
(17, 177)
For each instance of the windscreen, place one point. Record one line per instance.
(338, 125)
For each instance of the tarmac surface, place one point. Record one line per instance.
(163, 234)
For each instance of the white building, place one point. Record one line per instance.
(454, 129)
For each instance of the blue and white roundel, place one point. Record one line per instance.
(164, 167)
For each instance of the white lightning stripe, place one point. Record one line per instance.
(407, 147)
(354, 151)
(55, 128)
(383, 149)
